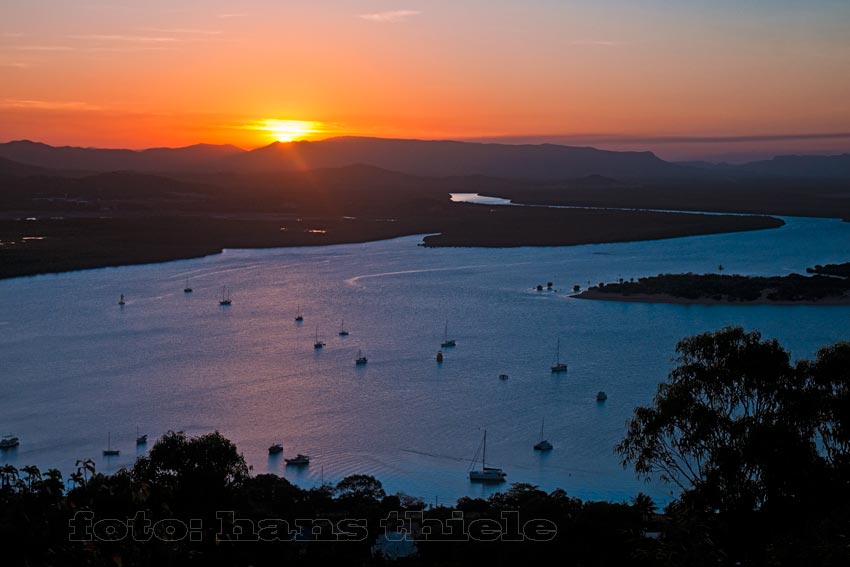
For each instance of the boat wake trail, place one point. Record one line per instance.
(436, 455)
(354, 281)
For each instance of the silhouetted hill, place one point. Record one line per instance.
(425, 158)
(12, 168)
(448, 158)
(835, 166)
(95, 159)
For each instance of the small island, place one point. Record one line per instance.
(825, 287)
(838, 270)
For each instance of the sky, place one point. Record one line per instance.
(711, 79)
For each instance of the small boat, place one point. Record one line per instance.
(486, 474)
(503, 376)
(298, 460)
(342, 331)
(439, 356)
(276, 449)
(601, 396)
(141, 439)
(361, 360)
(298, 316)
(9, 442)
(225, 297)
(447, 342)
(109, 451)
(558, 367)
(187, 289)
(318, 344)
(543, 444)
(121, 301)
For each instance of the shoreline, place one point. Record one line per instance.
(58, 245)
(593, 294)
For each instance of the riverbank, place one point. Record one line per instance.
(33, 242)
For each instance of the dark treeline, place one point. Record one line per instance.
(838, 270)
(758, 446)
(717, 287)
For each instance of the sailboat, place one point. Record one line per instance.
(141, 439)
(187, 289)
(361, 360)
(298, 316)
(342, 331)
(486, 474)
(121, 301)
(558, 366)
(109, 451)
(543, 444)
(318, 344)
(225, 297)
(9, 442)
(439, 356)
(446, 341)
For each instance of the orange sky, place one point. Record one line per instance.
(141, 74)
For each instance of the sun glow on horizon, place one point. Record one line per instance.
(288, 130)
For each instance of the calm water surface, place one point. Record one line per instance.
(74, 366)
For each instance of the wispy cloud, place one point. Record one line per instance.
(127, 38)
(15, 64)
(596, 42)
(187, 31)
(623, 139)
(41, 47)
(233, 15)
(389, 16)
(46, 104)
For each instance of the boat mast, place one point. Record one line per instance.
(484, 452)
(542, 421)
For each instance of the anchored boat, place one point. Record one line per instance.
(557, 366)
(485, 473)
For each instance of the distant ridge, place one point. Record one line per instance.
(96, 159)
(426, 158)
(834, 166)
(414, 157)
(433, 158)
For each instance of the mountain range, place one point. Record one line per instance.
(414, 157)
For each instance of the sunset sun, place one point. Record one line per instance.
(289, 130)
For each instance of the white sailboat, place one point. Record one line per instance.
(543, 444)
(558, 366)
(342, 331)
(318, 344)
(486, 474)
(298, 316)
